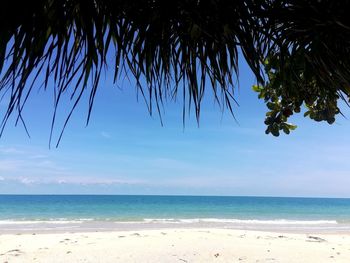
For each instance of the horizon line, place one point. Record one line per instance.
(180, 195)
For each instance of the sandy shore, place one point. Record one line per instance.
(175, 245)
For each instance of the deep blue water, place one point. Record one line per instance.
(139, 208)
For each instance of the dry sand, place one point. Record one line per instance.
(175, 245)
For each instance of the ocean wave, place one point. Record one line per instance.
(59, 221)
(53, 221)
(241, 221)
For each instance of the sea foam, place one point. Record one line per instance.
(241, 221)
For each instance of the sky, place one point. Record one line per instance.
(124, 150)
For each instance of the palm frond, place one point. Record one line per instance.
(167, 45)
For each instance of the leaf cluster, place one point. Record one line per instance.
(308, 64)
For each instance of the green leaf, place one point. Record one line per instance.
(286, 130)
(257, 88)
(271, 105)
(307, 113)
(291, 126)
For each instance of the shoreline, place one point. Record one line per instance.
(64, 226)
(175, 245)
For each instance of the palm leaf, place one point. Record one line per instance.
(166, 45)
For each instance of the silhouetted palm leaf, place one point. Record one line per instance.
(167, 45)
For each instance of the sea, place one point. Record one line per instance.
(21, 213)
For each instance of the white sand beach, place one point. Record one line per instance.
(175, 245)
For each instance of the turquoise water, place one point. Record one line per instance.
(172, 209)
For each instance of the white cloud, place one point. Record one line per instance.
(106, 135)
(9, 165)
(27, 181)
(69, 180)
(10, 150)
(95, 181)
(60, 181)
(38, 156)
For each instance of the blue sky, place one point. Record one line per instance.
(125, 151)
